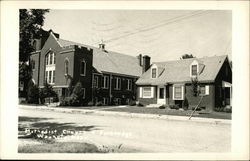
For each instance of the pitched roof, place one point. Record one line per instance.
(109, 61)
(179, 71)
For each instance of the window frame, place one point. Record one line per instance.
(147, 96)
(129, 84)
(95, 82)
(155, 73)
(84, 72)
(182, 92)
(105, 83)
(194, 65)
(206, 90)
(118, 83)
(66, 66)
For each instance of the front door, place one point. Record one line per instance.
(161, 95)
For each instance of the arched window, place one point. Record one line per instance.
(66, 66)
(82, 68)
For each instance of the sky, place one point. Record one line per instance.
(162, 34)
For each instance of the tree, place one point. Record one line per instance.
(47, 91)
(76, 97)
(25, 75)
(30, 24)
(33, 93)
(195, 86)
(187, 56)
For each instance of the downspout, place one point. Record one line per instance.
(110, 88)
(38, 77)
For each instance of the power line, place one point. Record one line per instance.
(167, 22)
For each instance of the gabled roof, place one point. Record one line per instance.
(179, 71)
(109, 61)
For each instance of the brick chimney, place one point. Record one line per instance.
(146, 63)
(139, 57)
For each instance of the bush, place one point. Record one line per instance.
(46, 92)
(33, 93)
(228, 109)
(218, 109)
(90, 103)
(132, 103)
(185, 104)
(174, 107)
(140, 105)
(65, 101)
(99, 103)
(198, 109)
(162, 107)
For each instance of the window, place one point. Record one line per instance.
(105, 101)
(51, 58)
(146, 92)
(46, 76)
(118, 83)
(105, 82)
(204, 90)
(54, 56)
(53, 80)
(46, 59)
(129, 84)
(50, 74)
(83, 91)
(178, 92)
(82, 68)
(154, 73)
(95, 82)
(66, 66)
(194, 70)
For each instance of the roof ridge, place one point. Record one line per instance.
(190, 59)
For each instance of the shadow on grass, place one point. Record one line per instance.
(37, 127)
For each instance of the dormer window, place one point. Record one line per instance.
(194, 70)
(154, 71)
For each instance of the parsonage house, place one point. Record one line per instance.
(106, 76)
(173, 83)
(114, 78)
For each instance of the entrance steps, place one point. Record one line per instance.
(153, 105)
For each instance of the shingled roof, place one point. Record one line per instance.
(109, 61)
(179, 71)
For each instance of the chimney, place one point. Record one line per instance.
(146, 63)
(139, 57)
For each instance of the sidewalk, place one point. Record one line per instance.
(126, 114)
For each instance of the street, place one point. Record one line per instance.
(138, 134)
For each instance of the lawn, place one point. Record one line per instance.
(59, 147)
(143, 110)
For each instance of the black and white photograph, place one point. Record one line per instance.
(125, 81)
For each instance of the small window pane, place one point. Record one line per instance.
(53, 81)
(153, 73)
(194, 69)
(147, 92)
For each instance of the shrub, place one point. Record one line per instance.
(185, 104)
(218, 109)
(99, 103)
(65, 101)
(132, 103)
(198, 108)
(174, 107)
(32, 93)
(162, 107)
(90, 103)
(228, 109)
(140, 105)
(46, 92)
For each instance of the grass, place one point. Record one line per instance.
(59, 147)
(143, 110)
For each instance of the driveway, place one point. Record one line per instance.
(138, 134)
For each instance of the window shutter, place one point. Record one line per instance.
(152, 92)
(183, 92)
(207, 89)
(140, 92)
